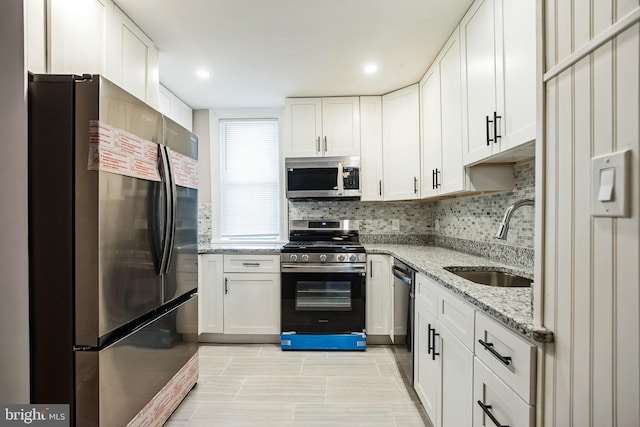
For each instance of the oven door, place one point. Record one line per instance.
(323, 300)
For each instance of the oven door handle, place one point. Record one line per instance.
(299, 268)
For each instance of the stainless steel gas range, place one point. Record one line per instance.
(323, 271)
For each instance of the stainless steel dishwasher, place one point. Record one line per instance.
(403, 314)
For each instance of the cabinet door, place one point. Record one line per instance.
(457, 380)
(477, 30)
(76, 36)
(303, 127)
(430, 128)
(518, 38)
(452, 179)
(251, 303)
(379, 296)
(210, 293)
(134, 63)
(371, 147)
(427, 381)
(401, 144)
(341, 126)
(499, 400)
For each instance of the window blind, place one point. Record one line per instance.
(249, 179)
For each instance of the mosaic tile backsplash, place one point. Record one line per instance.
(467, 224)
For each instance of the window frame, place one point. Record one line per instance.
(215, 115)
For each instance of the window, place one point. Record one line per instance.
(249, 187)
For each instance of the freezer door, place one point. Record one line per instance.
(114, 384)
(118, 220)
(182, 273)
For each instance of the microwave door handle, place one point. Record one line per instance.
(340, 178)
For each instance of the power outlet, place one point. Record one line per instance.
(395, 225)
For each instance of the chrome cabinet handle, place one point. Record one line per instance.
(251, 264)
(380, 187)
(489, 346)
(370, 268)
(485, 409)
(325, 144)
(318, 145)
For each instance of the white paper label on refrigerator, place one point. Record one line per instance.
(121, 152)
(185, 170)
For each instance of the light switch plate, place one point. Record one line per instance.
(610, 180)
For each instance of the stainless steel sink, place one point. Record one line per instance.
(491, 277)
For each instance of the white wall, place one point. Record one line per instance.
(202, 129)
(591, 265)
(14, 304)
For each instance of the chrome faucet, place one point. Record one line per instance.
(503, 228)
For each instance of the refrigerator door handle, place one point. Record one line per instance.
(166, 180)
(172, 203)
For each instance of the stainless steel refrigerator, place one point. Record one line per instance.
(112, 247)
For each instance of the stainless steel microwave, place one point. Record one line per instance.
(323, 177)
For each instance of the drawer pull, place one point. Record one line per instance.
(489, 346)
(251, 264)
(226, 285)
(485, 409)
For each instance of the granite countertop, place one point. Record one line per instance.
(240, 248)
(512, 306)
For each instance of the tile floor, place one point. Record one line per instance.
(260, 385)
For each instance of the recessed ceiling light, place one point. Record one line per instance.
(370, 68)
(203, 74)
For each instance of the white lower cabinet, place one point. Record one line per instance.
(210, 294)
(494, 403)
(457, 379)
(426, 374)
(233, 302)
(251, 303)
(443, 368)
(379, 295)
(453, 369)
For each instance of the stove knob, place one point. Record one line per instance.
(293, 257)
(342, 258)
(305, 257)
(353, 258)
(323, 258)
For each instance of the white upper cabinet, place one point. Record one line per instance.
(93, 37)
(77, 36)
(371, 172)
(341, 126)
(401, 144)
(317, 127)
(172, 107)
(132, 59)
(498, 62)
(430, 130)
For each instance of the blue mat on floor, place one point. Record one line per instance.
(355, 341)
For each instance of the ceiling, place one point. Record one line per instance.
(259, 52)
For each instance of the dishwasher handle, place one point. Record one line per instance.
(402, 274)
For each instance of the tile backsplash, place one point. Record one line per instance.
(467, 224)
(415, 221)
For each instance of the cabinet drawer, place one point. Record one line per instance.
(500, 401)
(427, 292)
(509, 356)
(252, 264)
(457, 316)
